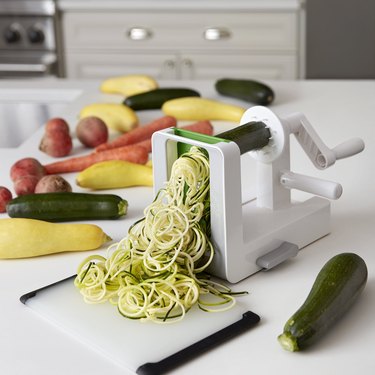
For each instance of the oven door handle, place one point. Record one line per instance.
(24, 68)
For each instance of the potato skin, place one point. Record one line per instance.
(52, 184)
(92, 131)
(25, 184)
(5, 197)
(25, 174)
(57, 143)
(26, 166)
(55, 124)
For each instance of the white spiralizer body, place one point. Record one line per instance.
(263, 232)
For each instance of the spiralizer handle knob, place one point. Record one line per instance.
(349, 148)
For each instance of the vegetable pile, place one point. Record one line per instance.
(156, 272)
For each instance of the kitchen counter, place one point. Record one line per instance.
(338, 110)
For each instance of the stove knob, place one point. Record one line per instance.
(12, 35)
(35, 35)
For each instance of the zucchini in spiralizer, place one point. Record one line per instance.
(336, 288)
(67, 206)
(248, 90)
(154, 99)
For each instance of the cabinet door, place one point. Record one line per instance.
(213, 66)
(104, 65)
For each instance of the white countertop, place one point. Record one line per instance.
(338, 110)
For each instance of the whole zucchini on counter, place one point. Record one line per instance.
(245, 89)
(154, 99)
(336, 288)
(67, 206)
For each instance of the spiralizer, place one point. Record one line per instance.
(265, 231)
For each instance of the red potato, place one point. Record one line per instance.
(52, 184)
(56, 140)
(25, 174)
(56, 123)
(5, 197)
(27, 167)
(25, 184)
(57, 143)
(92, 131)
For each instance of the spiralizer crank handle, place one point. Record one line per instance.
(321, 155)
(317, 186)
(349, 148)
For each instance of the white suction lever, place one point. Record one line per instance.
(317, 186)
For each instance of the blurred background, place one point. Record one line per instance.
(182, 39)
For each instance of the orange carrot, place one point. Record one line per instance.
(132, 153)
(145, 144)
(203, 127)
(139, 134)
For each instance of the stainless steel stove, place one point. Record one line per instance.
(29, 43)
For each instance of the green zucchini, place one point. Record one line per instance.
(154, 99)
(253, 135)
(245, 89)
(67, 206)
(337, 286)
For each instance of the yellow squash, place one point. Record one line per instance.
(118, 117)
(128, 85)
(196, 108)
(23, 238)
(114, 174)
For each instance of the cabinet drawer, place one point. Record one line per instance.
(257, 31)
(189, 65)
(250, 66)
(93, 65)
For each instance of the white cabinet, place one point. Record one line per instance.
(96, 64)
(192, 65)
(201, 65)
(187, 44)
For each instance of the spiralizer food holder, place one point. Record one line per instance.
(265, 231)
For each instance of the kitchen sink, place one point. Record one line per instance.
(23, 111)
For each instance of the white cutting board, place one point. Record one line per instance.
(128, 343)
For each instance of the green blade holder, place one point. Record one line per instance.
(250, 136)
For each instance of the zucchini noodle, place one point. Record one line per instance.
(157, 271)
